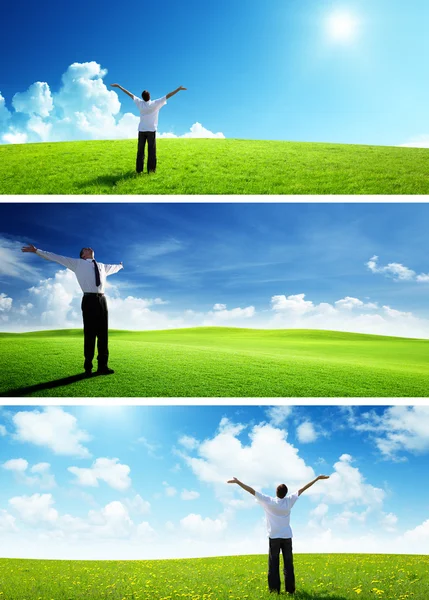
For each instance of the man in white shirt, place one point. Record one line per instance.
(149, 110)
(91, 276)
(277, 512)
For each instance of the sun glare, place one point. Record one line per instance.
(342, 26)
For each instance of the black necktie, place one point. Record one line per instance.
(97, 274)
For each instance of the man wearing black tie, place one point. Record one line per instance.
(91, 276)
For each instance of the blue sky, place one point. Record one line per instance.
(344, 71)
(345, 266)
(125, 482)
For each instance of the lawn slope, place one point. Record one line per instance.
(218, 362)
(318, 577)
(199, 166)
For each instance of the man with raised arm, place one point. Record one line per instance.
(149, 110)
(91, 276)
(277, 512)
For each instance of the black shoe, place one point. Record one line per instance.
(105, 371)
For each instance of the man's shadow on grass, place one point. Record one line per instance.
(300, 595)
(108, 180)
(48, 385)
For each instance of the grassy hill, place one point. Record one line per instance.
(218, 362)
(199, 166)
(318, 577)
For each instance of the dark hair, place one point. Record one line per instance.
(281, 490)
(145, 95)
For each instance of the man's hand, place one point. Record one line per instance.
(114, 85)
(323, 477)
(182, 89)
(29, 248)
(233, 480)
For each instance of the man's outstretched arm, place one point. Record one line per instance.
(179, 89)
(242, 485)
(312, 483)
(123, 89)
(65, 261)
(111, 269)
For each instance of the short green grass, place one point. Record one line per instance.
(194, 166)
(318, 577)
(219, 362)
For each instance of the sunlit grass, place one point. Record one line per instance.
(199, 166)
(318, 577)
(220, 362)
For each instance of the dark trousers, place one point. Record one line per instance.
(150, 137)
(285, 545)
(95, 325)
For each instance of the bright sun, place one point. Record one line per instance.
(342, 26)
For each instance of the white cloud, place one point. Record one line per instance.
(3, 431)
(189, 495)
(306, 433)
(294, 304)
(146, 532)
(41, 474)
(220, 314)
(138, 505)
(112, 521)
(347, 485)
(7, 521)
(349, 303)
(109, 470)
(278, 414)
(13, 263)
(5, 303)
(419, 535)
(396, 271)
(37, 100)
(197, 526)
(389, 522)
(189, 442)
(398, 429)
(83, 108)
(35, 509)
(225, 456)
(196, 131)
(52, 427)
(420, 141)
(169, 489)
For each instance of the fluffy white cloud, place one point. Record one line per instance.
(189, 495)
(395, 270)
(349, 303)
(347, 486)
(225, 456)
(40, 473)
(220, 314)
(398, 429)
(418, 534)
(138, 505)
(5, 303)
(111, 521)
(189, 442)
(146, 532)
(51, 427)
(83, 108)
(196, 131)
(7, 521)
(169, 489)
(278, 414)
(306, 432)
(37, 100)
(35, 509)
(196, 525)
(420, 141)
(109, 470)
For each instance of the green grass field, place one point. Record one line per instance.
(318, 577)
(198, 166)
(218, 362)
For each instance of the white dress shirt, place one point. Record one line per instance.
(277, 512)
(84, 269)
(149, 112)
